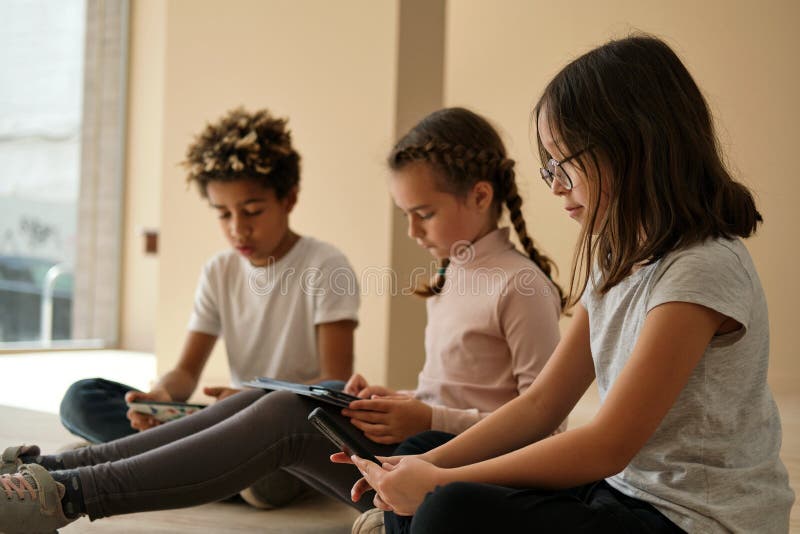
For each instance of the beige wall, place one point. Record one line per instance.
(332, 68)
(501, 54)
(139, 300)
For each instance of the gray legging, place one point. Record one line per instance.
(213, 454)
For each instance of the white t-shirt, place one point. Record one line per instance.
(267, 315)
(712, 465)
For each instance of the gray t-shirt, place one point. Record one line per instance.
(712, 465)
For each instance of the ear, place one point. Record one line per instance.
(482, 195)
(291, 199)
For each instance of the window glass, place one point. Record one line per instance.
(41, 96)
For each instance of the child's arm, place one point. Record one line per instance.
(179, 383)
(673, 339)
(647, 387)
(335, 347)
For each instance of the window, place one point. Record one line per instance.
(61, 125)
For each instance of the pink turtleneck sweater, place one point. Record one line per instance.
(489, 333)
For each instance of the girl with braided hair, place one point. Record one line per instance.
(492, 311)
(492, 324)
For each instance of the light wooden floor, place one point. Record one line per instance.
(322, 515)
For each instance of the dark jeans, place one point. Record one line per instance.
(469, 507)
(95, 409)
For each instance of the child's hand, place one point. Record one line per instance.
(389, 419)
(362, 486)
(399, 487)
(358, 386)
(355, 384)
(376, 391)
(220, 392)
(141, 421)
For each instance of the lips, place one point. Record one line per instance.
(245, 250)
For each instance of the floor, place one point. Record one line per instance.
(28, 413)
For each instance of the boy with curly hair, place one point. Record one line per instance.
(286, 305)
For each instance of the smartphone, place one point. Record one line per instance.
(164, 411)
(332, 429)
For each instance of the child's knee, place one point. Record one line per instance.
(283, 403)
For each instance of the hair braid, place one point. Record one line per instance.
(514, 204)
(435, 287)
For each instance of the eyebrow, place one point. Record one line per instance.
(243, 203)
(420, 207)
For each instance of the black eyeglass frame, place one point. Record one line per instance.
(550, 176)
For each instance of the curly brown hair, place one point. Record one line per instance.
(465, 148)
(244, 146)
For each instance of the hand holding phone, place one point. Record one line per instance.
(164, 411)
(333, 430)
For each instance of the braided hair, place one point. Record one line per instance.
(466, 149)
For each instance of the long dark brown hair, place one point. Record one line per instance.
(464, 149)
(635, 107)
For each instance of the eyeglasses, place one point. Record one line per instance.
(554, 171)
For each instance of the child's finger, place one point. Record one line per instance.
(359, 489)
(140, 421)
(340, 458)
(380, 404)
(377, 429)
(388, 467)
(365, 415)
(365, 404)
(213, 391)
(381, 504)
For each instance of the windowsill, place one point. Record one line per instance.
(22, 347)
(38, 380)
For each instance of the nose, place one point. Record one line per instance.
(557, 189)
(239, 228)
(414, 228)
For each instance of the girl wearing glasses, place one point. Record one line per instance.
(670, 319)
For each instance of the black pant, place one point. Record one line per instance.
(95, 409)
(469, 507)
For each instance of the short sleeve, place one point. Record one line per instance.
(528, 314)
(710, 275)
(336, 292)
(205, 316)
